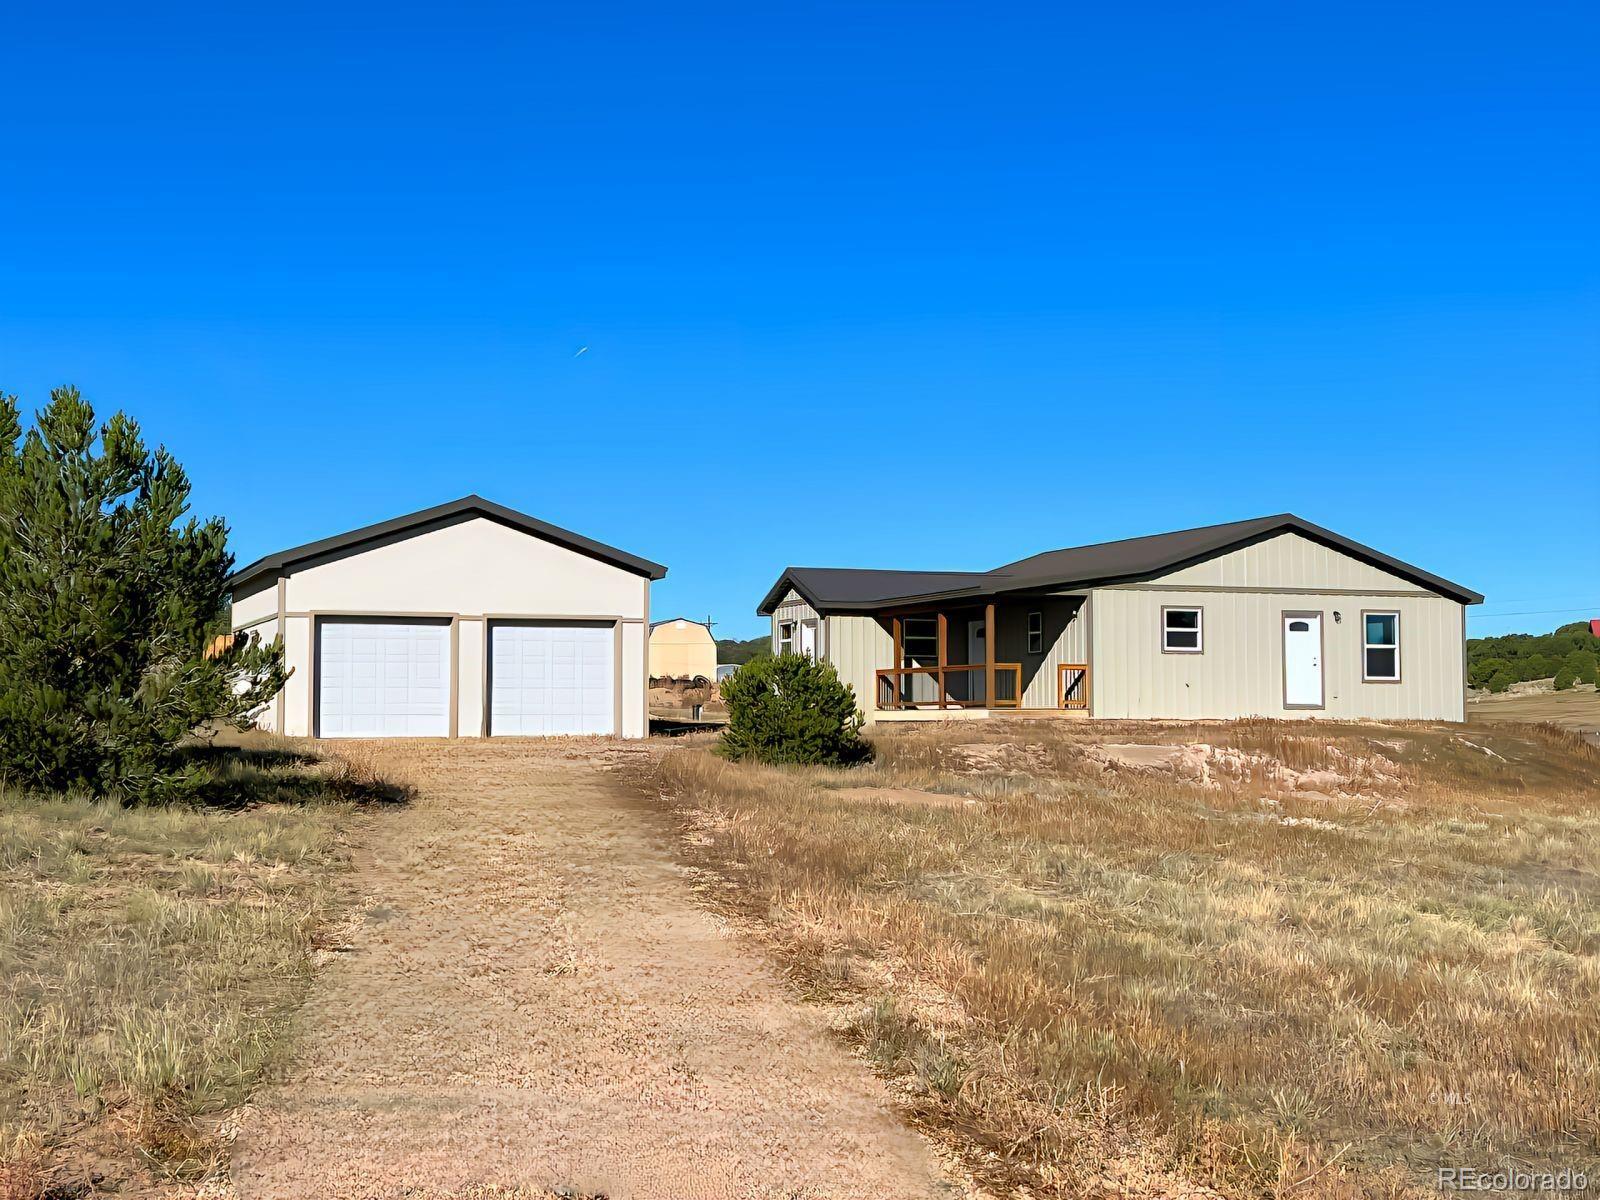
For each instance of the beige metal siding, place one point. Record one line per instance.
(857, 647)
(1289, 562)
(256, 603)
(1244, 594)
(298, 639)
(793, 608)
(476, 566)
(1240, 672)
(472, 644)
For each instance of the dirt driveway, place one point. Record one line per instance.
(532, 1000)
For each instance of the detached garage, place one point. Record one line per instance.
(469, 619)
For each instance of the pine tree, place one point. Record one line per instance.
(791, 709)
(1585, 665)
(105, 601)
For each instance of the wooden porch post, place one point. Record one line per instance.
(897, 680)
(988, 654)
(944, 654)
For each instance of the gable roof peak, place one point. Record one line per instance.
(444, 514)
(1093, 565)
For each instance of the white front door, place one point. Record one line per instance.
(551, 677)
(1302, 660)
(378, 678)
(977, 655)
(808, 638)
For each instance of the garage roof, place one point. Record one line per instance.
(437, 517)
(830, 589)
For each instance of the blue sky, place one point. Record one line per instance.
(892, 285)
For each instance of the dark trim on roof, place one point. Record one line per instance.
(1131, 560)
(1289, 523)
(438, 516)
(820, 587)
(775, 594)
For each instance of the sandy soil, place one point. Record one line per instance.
(915, 797)
(531, 999)
(1577, 709)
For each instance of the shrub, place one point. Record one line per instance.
(1503, 679)
(109, 594)
(1565, 678)
(791, 709)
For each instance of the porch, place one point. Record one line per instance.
(977, 659)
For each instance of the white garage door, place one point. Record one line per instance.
(383, 678)
(551, 677)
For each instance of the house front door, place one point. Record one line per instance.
(1302, 660)
(808, 638)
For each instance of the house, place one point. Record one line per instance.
(1271, 617)
(682, 649)
(468, 619)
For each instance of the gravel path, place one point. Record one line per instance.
(532, 1000)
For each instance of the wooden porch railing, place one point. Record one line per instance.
(897, 687)
(1072, 685)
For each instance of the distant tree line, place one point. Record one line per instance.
(1569, 655)
(737, 653)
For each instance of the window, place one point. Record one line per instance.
(1036, 633)
(1380, 647)
(786, 637)
(1180, 631)
(919, 641)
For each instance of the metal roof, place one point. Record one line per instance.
(844, 587)
(438, 517)
(831, 589)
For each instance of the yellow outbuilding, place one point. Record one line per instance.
(681, 648)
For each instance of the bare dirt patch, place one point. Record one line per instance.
(534, 999)
(1347, 775)
(1577, 709)
(983, 758)
(900, 795)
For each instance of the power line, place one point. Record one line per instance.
(1524, 600)
(1534, 612)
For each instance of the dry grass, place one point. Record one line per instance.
(1101, 979)
(150, 959)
